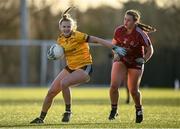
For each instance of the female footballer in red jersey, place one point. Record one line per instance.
(132, 36)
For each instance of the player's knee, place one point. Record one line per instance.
(63, 84)
(51, 94)
(134, 92)
(114, 88)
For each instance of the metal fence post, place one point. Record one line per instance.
(43, 65)
(24, 37)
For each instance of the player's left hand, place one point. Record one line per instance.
(140, 61)
(119, 51)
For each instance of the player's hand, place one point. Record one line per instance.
(119, 50)
(50, 54)
(140, 61)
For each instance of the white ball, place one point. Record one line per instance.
(58, 51)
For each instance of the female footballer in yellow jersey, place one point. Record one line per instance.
(79, 64)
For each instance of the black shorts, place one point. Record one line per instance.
(88, 69)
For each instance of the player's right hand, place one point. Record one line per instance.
(140, 61)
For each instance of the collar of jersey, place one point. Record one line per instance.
(73, 33)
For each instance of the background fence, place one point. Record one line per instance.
(40, 70)
(161, 70)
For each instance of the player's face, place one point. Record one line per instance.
(129, 22)
(66, 28)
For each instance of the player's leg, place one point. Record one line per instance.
(134, 79)
(118, 74)
(75, 78)
(52, 92)
(127, 92)
(67, 100)
(67, 96)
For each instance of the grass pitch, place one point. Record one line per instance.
(91, 106)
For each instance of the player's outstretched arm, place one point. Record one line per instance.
(119, 50)
(101, 41)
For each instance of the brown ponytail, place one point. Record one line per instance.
(67, 10)
(136, 16)
(146, 28)
(67, 17)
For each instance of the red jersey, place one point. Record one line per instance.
(134, 42)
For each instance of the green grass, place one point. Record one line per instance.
(91, 106)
